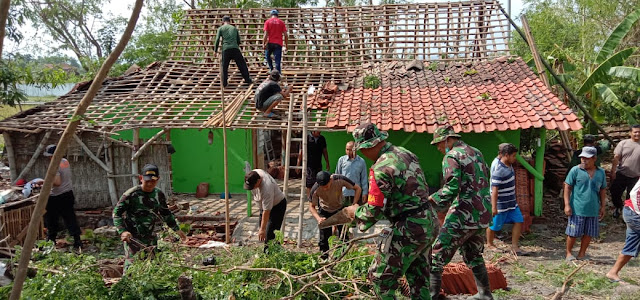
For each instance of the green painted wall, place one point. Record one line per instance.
(196, 161)
(419, 143)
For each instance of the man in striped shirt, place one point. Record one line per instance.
(504, 207)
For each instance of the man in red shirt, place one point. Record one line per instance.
(274, 30)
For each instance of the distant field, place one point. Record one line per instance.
(42, 99)
(8, 111)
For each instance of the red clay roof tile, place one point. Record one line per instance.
(502, 95)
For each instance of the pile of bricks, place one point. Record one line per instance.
(457, 278)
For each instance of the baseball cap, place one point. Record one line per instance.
(250, 180)
(323, 178)
(442, 133)
(150, 172)
(367, 135)
(588, 152)
(589, 138)
(49, 150)
(274, 12)
(274, 75)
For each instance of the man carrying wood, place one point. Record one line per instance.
(231, 50)
(138, 210)
(398, 192)
(326, 194)
(466, 189)
(271, 201)
(61, 201)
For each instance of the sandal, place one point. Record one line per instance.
(271, 115)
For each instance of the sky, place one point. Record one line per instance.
(38, 44)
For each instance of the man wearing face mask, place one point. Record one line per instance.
(466, 190)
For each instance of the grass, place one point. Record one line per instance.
(584, 282)
(8, 111)
(505, 294)
(42, 99)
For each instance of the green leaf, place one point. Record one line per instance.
(599, 75)
(610, 98)
(617, 35)
(630, 73)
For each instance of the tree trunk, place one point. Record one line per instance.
(4, 15)
(68, 134)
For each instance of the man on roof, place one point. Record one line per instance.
(274, 31)
(269, 94)
(231, 50)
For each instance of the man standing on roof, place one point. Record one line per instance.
(269, 94)
(136, 213)
(466, 190)
(61, 201)
(274, 30)
(327, 195)
(398, 192)
(231, 50)
(625, 168)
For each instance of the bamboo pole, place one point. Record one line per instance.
(62, 148)
(227, 228)
(134, 161)
(304, 168)
(35, 156)
(573, 97)
(287, 159)
(564, 136)
(8, 146)
(148, 143)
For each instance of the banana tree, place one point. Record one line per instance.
(601, 84)
(609, 92)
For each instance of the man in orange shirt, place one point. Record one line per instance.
(274, 30)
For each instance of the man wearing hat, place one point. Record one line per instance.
(231, 50)
(466, 191)
(136, 213)
(271, 202)
(61, 201)
(274, 30)
(269, 94)
(584, 201)
(327, 194)
(588, 140)
(398, 192)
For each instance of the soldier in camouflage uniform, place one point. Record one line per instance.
(466, 189)
(399, 193)
(139, 209)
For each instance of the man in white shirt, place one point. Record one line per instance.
(271, 201)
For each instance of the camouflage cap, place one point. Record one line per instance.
(367, 135)
(442, 133)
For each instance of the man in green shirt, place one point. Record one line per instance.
(231, 50)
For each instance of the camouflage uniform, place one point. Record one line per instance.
(398, 192)
(137, 212)
(466, 189)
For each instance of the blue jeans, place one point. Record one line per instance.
(276, 50)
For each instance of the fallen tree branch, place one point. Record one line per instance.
(287, 275)
(565, 285)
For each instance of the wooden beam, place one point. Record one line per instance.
(148, 143)
(113, 189)
(134, 162)
(35, 155)
(8, 146)
(90, 154)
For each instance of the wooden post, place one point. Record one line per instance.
(134, 160)
(227, 228)
(146, 144)
(287, 158)
(8, 146)
(537, 205)
(111, 181)
(67, 135)
(34, 157)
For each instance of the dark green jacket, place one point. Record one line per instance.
(230, 37)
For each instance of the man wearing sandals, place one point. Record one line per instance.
(584, 201)
(138, 210)
(269, 94)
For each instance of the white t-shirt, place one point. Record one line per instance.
(268, 194)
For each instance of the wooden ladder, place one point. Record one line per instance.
(302, 168)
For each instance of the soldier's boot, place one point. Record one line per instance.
(482, 282)
(435, 283)
(77, 242)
